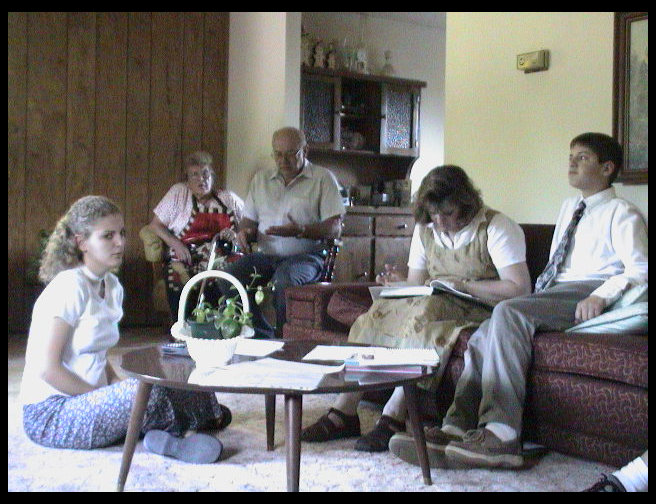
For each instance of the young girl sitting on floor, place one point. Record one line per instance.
(71, 396)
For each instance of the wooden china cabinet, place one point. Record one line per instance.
(365, 129)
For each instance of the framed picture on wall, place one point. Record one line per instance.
(630, 94)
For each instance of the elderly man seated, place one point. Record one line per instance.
(288, 212)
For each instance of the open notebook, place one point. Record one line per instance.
(374, 356)
(434, 287)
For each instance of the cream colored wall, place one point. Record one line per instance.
(263, 89)
(511, 130)
(264, 80)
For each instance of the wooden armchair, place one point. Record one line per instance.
(154, 252)
(329, 252)
(154, 249)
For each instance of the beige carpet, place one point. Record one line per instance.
(246, 465)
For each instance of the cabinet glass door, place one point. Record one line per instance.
(320, 95)
(400, 124)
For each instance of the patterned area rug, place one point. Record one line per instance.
(246, 465)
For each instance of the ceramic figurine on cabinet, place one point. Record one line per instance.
(319, 55)
(331, 59)
(361, 60)
(388, 69)
(306, 49)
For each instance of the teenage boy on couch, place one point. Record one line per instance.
(599, 250)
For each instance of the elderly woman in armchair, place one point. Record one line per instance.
(187, 219)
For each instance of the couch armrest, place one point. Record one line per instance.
(153, 245)
(307, 304)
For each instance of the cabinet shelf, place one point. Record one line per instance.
(345, 74)
(313, 149)
(372, 117)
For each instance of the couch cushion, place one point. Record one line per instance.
(345, 306)
(636, 294)
(627, 315)
(632, 319)
(538, 242)
(622, 358)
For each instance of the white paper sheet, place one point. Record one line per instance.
(257, 347)
(265, 373)
(374, 356)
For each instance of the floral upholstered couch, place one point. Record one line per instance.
(587, 392)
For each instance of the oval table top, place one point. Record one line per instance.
(149, 364)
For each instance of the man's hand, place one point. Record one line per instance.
(291, 229)
(590, 307)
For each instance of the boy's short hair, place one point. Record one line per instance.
(605, 147)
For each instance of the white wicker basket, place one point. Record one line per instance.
(205, 352)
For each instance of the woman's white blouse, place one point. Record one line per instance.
(505, 241)
(73, 296)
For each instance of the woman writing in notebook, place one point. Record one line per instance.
(458, 240)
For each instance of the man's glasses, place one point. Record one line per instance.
(288, 155)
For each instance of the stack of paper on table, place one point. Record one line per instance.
(265, 373)
(374, 356)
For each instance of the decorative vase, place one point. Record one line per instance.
(388, 69)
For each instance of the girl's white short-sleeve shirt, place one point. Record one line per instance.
(73, 296)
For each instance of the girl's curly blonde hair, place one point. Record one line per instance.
(61, 251)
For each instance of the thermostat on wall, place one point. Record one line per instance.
(535, 61)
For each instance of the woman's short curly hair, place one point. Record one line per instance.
(446, 185)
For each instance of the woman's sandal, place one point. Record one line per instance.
(325, 430)
(378, 439)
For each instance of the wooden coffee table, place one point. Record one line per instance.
(150, 367)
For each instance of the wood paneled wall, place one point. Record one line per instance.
(107, 103)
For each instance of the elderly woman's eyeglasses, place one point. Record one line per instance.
(200, 175)
(287, 155)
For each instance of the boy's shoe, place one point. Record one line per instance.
(481, 448)
(403, 446)
(607, 484)
(196, 448)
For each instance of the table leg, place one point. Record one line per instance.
(270, 407)
(293, 416)
(417, 430)
(134, 428)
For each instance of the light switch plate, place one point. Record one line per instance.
(533, 61)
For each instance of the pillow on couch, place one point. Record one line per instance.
(627, 315)
(346, 306)
(636, 294)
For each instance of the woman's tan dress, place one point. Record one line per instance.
(432, 321)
